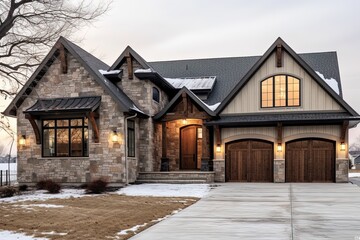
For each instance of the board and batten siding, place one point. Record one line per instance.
(313, 96)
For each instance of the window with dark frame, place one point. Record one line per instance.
(65, 137)
(156, 94)
(131, 138)
(280, 91)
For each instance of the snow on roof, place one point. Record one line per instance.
(148, 70)
(211, 107)
(104, 72)
(136, 109)
(193, 83)
(331, 82)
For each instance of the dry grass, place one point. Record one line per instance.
(99, 217)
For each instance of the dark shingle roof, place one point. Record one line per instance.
(90, 63)
(74, 104)
(298, 117)
(229, 71)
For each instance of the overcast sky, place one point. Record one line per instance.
(166, 30)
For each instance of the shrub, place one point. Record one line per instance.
(84, 186)
(23, 188)
(41, 185)
(49, 185)
(97, 186)
(53, 187)
(7, 191)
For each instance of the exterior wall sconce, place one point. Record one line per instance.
(218, 148)
(279, 147)
(199, 133)
(115, 137)
(22, 140)
(342, 146)
(184, 121)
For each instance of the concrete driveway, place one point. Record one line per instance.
(267, 211)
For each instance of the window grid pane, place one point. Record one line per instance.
(280, 91)
(62, 140)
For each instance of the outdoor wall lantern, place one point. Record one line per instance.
(22, 140)
(279, 147)
(342, 146)
(184, 121)
(115, 137)
(218, 148)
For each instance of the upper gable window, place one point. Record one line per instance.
(156, 94)
(280, 91)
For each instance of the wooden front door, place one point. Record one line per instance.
(188, 148)
(249, 161)
(310, 160)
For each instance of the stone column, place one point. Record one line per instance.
(342, 170)
(279, 170)
(164, 159)
(206, 164)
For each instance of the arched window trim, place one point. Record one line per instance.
(273, 92)
(156, 99)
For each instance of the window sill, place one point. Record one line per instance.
(63, 158)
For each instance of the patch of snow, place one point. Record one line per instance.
(42, 195)
(40, 205)
(104, 72)
(213, 107)
(166, 190)
(136, 109)
(148, 70)
(9, 235)
(133, 229)
(330, 81)
(192, 83)
(54, 233)
(354, 175)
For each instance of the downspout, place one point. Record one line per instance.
(126, 150)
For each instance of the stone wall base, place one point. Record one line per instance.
(279, 170)
(342, 170)
(219, 169)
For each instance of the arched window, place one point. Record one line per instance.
(280, 91)
(156, 94)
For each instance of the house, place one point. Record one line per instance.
(279, 117)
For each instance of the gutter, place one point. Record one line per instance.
(126, 150)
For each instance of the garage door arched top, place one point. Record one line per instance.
(249, 160)
(310, 160)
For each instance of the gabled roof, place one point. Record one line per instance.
(300, 61)
(192, 96)
(122, 58)
(230, 70)
(90, 63)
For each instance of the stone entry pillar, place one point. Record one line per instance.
(164, 160)
(279, 170)
(206, 163)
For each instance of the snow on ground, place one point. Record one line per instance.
(166, 190)
(42, 195)
(8, 235)
(354, 174)
(30, 206)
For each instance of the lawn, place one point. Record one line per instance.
(79, 216)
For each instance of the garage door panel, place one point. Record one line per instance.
(250, 161)
(310, 160)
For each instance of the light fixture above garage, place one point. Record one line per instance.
(279, 147)
(342, 146)
(218, 148)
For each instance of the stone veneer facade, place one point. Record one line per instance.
(106, 159)
(149, 142)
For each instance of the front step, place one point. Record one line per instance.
(179, 177)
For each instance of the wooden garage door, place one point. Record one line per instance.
(310, 160)
(249, 161)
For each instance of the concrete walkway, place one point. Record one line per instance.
(267, 211)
